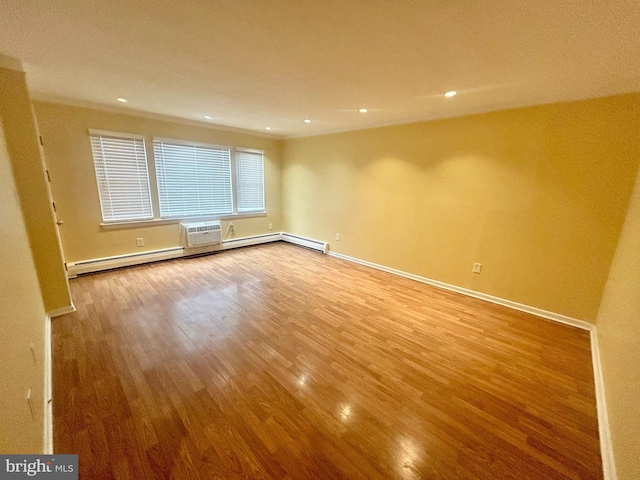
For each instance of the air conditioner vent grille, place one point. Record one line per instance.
(203, 228)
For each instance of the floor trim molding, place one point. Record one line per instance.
(604, 431)
(48, 390)
(61, 311)
(556, 317)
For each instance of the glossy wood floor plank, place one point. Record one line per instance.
(276, 362)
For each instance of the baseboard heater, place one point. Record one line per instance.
(248, 241)
(306, 242)
(100, 264)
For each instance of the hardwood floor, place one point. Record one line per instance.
(276, 362)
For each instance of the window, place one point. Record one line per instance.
(123, 179)
(193, 179)
(250, 180)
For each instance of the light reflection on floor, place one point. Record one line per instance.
(409, 455)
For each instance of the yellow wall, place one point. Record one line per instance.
(68, 156)
(537, 195)
(22, 317)
(24, 151)
(618, 326)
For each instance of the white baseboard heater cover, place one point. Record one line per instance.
(306, 242)
(99, 264)
(200, 234)
(253, 240)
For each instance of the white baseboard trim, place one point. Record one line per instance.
(305, 242)
(61, 311)
(606, 447)
(99, 264)
(556, 317)
(48, 390)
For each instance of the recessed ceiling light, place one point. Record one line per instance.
(451, 93)
(121, 100)
(363, 110)
(306, 120)
(208, 117)
(267, 128)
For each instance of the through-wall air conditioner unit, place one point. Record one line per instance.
(200, 234)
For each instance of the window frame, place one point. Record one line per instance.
(188, 143)
(239, 150)
(124, 136)
(154, 192)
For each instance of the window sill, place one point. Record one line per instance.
(170, 221)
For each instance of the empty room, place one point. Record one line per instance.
(320, 240)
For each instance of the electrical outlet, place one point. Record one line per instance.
(477, 267)
(140, 242)
(270, 226)
(338, 237)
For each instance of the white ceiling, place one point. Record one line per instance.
(257, 63)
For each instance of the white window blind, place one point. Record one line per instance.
(250, 171)
(193, 179)
(122, 175)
